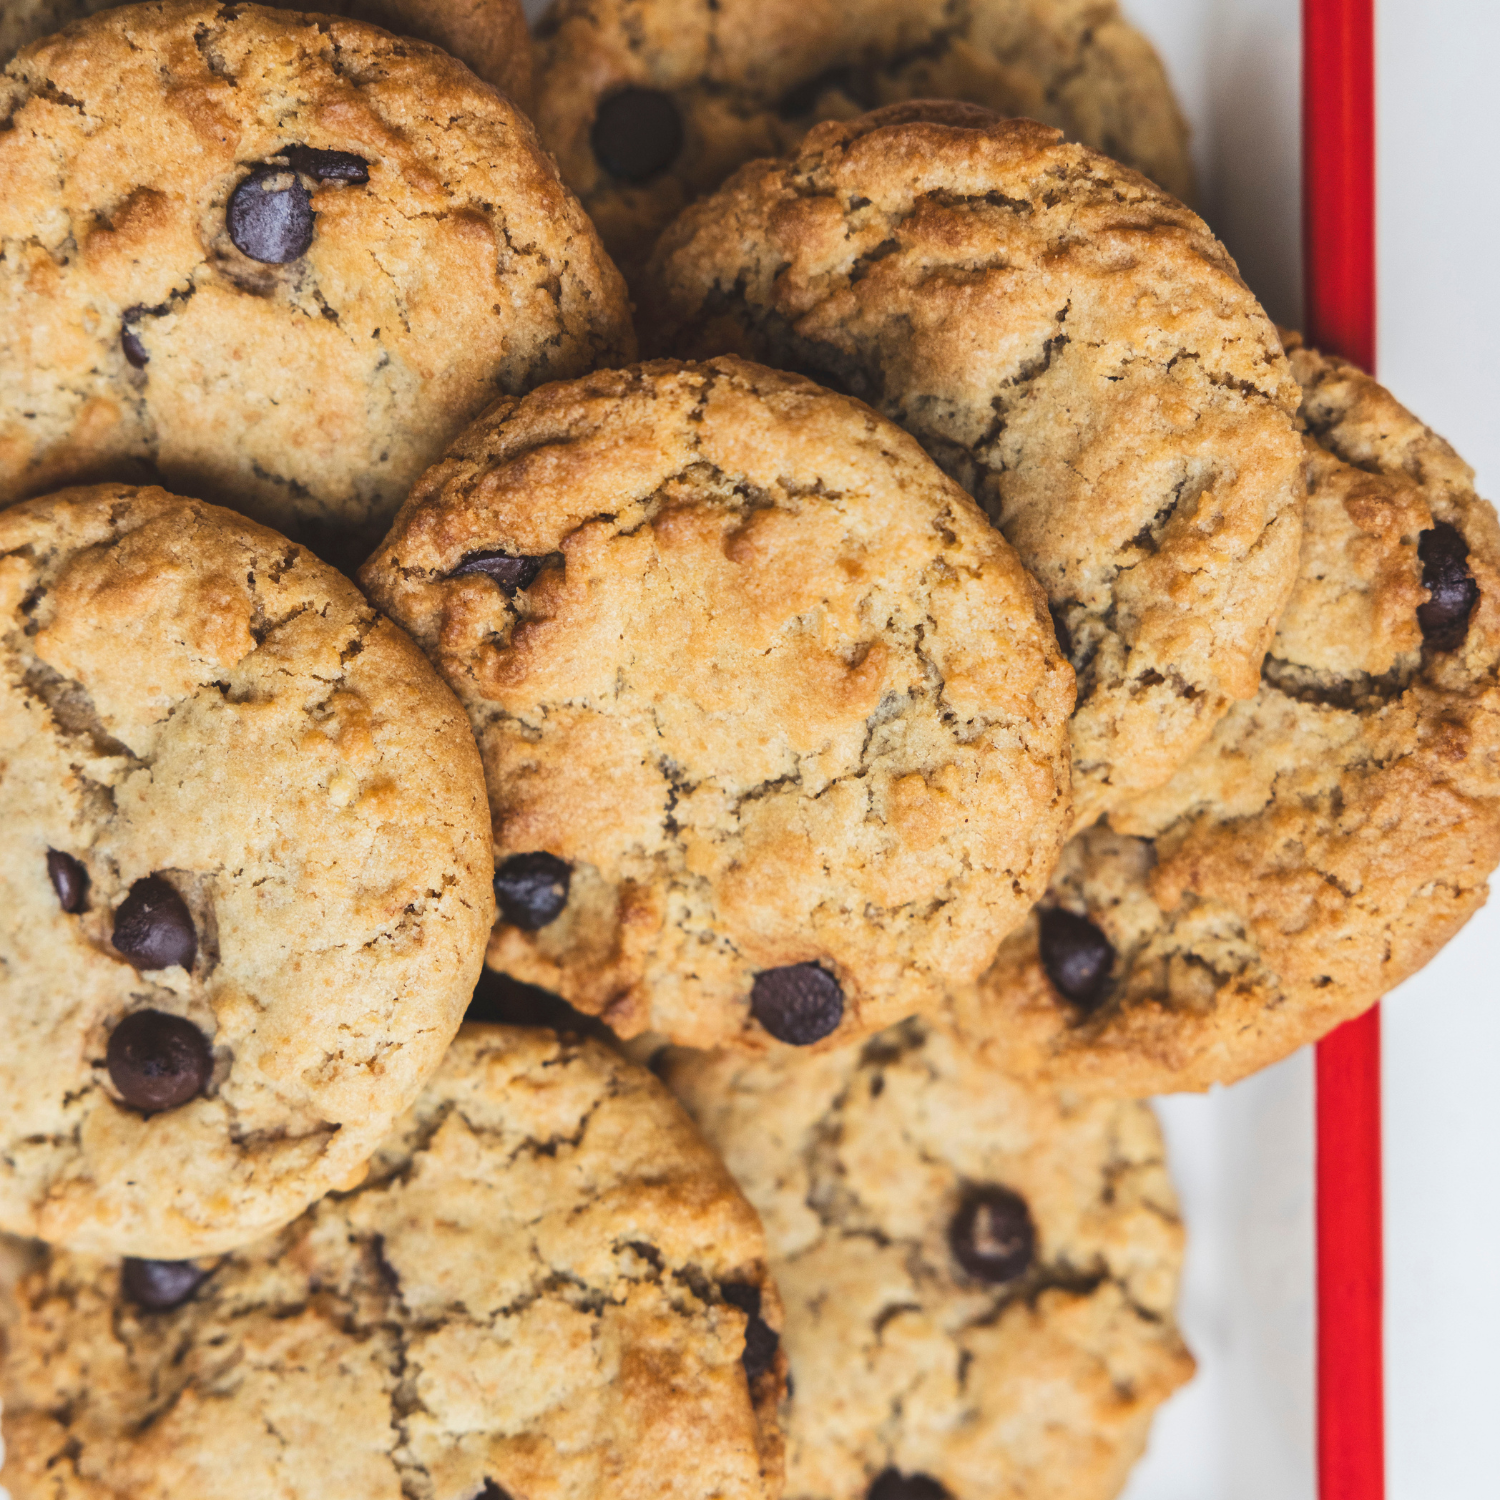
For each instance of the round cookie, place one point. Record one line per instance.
(774, 724)
(275, 260)
(978, 1276)
(244, 874)
(1071, 345)
(647, 104)
(548, 1288)
(1337, 829)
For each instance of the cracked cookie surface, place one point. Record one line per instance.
(1337, 829)
(978, 1276)
(1071, 345)
(774, 724)
(275, 260)
(208, 728)
(748, 78)
(549, 1288)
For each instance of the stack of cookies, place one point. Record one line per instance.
(584, 928)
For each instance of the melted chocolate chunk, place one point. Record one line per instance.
(1077, 956)
(270, 216)
(160, 1285)
(892, 1484)
(130, 341)
(637, 134)
(510, 572)
(761, 1340)
(327, 166)
(800, 1004)
(69, 879)
(992, 1236)
(153, 927)
(1446, 577)
(532, 889)
(158, 1061)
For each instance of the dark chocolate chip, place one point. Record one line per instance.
(158, 1061)
(1078, 957)
(992, 1236)
(327, 166)
(509, 571)
(532, 889)
(637, 134)
(130, 341)
(761, 1340)
(892, 1484)
(153, 927)
(1445, 575)
(69, 879)
(499, 1000)
(160, 1285)
(270, 216)
(800, 1004)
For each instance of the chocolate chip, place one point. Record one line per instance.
(992, 1236)
(509, 571)
(800, 1003)
(270, 216)
(153, 927)
(761, 1340)
(1445, 575)
(160, 1285)
(69, 879)
(499, 1000)
(327, 166)
(130, 341)
(532, 889)
(1078, 957)
(637, 134)
(158, 1061)
(892, 1484)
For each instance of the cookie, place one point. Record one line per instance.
(773, 723)
(1071, 345)
(978, 1276)
(276, 261)
(1337, 829)
(490, 36)
(647, 104)
(548, 1287)
(244, 874)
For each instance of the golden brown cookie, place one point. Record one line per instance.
(244, 874)
(1337, 829)
(1071, 345)
(275, 260)
(548, 1288)
(774, 723)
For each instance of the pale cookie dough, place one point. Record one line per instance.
(549, 1288)
(245, 876)
(1334, 833)
(978, 1276)
(1071, 345)
(275, 260)
(774, 723)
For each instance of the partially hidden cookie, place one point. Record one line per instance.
(978, 1276)
(1337, 829)
(1071, 345)
(774, 723)
(275, 260)
(647, 104)
(548, 1289)
(244, 874)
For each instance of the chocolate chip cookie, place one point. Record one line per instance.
(244, 874)
(1071, 345)
(1337, 829)
(649, 103)
(774, 724)
(276, 261)
(548, 1287)
(978, 1276)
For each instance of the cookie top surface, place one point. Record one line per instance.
(276, 260)
(978, 1277)
(1071, 345)
(244, 873)
(1337, 829)
(540, 1291)
(648, 105)
(774, 723)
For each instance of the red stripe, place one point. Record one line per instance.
(1338, 198)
